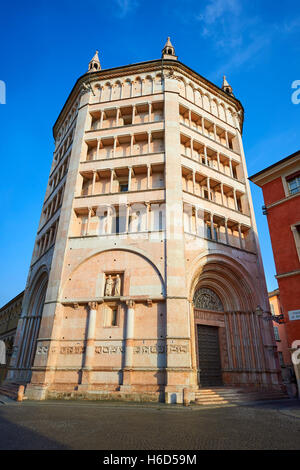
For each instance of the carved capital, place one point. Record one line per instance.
(93, 305)
(130, 303)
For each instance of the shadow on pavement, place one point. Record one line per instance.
(17, 437)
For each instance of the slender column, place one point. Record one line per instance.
(111, 180)
(129, 178)
(218, 160)
(101, 119)
(235, 201)
(114, 149)
(230, 166)
(205, 155)
(226, 137)
(94, 181)
(117, 117)
(90, 345)
(194, 173)
(149, 112)
(192, 148)
(215, 133)
(240, 236)
(149, 141)
(208, 187)
(212, 225)
(190, 118)
(127, 218)
(133, 113)
(148, 176)
(226, 231)
(98, 148)
(131, 144)
(129, 335)
(148, 224)
(202, 125)
(88, 221)
(196, 220)
(222, 193)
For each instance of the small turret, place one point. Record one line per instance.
(94, 64)
(168, 51)
(226, 87)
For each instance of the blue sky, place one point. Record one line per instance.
(46, 46)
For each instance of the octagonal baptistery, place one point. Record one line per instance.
(146, 278)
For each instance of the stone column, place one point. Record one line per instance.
(226, 137)
(117, 117)
(149, 141)
(235, 200)
(94, 180)
(208, 188)
(131, 144)
(205, 155)
(226, 231)
(148, 176)
(230, 166)
(111, 181)
(129, 343)
(90, 345)
(240, 236)
(218, 159)
(98, 148)
(149, 112)
(114, 149)
(129, 178)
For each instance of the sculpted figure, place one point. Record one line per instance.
(109, 286)
(118, 285)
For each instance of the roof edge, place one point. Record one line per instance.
(159, 61)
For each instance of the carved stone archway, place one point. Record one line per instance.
(207, 299)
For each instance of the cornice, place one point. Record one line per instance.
(274, 171)
(144, 67)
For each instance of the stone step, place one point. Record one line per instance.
(10, 390)
(223, 395)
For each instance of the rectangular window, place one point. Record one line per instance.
(276, 333)
(208, 232)
(114, 317)
(123, 188)
(293, 182)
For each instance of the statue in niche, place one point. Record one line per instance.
(118, 286)
(109, 286)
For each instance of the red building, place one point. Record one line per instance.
(281, 190)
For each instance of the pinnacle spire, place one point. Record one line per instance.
(168, 51)
(226, 87)
(94, 64)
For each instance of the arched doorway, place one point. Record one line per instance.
(208, 312)
(31, 327)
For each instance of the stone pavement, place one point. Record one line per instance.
(111, 426)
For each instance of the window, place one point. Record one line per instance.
(208, 231)
(276, 333)
(111, 317)
(293, 182)
(296, 232)
(123, 187)
(114, 316)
